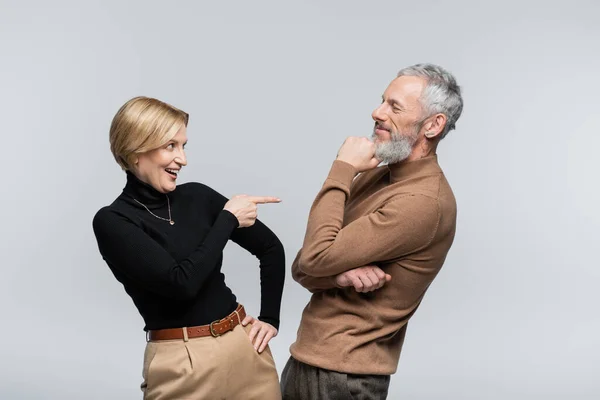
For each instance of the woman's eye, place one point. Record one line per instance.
(170, 146)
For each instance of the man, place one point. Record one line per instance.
(374, 244)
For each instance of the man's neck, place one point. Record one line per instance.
(422, 150)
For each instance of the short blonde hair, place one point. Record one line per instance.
(143, 124)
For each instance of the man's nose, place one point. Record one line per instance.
(378, 114)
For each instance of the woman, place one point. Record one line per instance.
(165, 243)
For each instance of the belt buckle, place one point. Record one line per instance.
(212, 331)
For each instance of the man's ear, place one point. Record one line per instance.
(435, 126)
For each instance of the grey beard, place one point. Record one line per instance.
(396, 150)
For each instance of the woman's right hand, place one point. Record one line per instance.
(244, 207)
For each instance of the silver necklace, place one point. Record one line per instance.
(170, 220)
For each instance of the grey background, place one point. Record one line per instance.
(273, 88)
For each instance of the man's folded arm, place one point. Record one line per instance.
(399, 227)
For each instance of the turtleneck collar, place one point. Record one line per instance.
(410, 169)
(143, 192)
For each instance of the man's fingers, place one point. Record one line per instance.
(374, 280)
(343, 280)
(366, 283)
(263, 199)
(357, 283)
(380, 282)
(364, 279)
(380, 275)
(374, 162)
(379, 272)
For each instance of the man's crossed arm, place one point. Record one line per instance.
(362, 279)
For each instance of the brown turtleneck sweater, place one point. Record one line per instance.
(401, 217)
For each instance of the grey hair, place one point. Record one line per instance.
(441, 95)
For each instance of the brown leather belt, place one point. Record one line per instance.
(215, 328)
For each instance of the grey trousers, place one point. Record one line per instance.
(300, 381)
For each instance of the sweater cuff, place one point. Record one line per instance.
(229, 217)
(342, 172)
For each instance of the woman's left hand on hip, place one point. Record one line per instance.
(261, 332)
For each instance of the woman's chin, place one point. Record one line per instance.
(169, 187)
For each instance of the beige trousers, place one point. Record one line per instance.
(222, 368)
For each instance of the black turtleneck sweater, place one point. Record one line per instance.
(173, 272)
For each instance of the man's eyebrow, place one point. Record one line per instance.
(395, 102)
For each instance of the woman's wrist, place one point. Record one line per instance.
(270, 320)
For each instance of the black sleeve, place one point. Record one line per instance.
(126, 247)
(259, 240)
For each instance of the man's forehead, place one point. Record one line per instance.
(405, 87)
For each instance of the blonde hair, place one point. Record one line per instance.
(143, 124)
